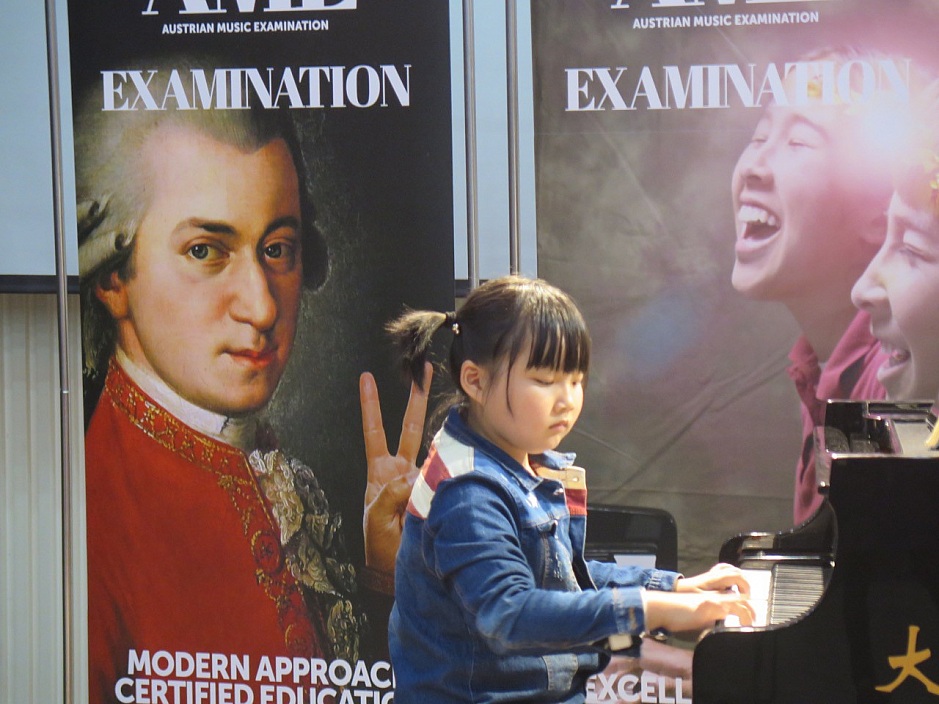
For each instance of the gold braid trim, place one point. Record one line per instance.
(301, 635)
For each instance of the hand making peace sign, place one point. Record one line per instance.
(390, 478)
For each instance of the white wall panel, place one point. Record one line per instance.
(31, 566)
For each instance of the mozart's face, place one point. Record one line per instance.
(213, 295)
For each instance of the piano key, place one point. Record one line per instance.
(782, 593)
(796, 589)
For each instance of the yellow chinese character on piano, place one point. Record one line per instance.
(907, 665)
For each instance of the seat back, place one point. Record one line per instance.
(632, 535)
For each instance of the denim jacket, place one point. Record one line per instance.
(494, 599)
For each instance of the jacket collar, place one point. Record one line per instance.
(458, 428)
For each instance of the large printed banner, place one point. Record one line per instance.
(261, 186)
(712, 178)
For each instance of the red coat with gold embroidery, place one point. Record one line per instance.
(184, 554)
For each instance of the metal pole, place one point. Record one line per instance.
(511, 72)
(469, 110)
(52, 59)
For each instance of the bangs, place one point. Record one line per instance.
(513, 318)
(559, 340)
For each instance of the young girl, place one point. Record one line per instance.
(900, 288)
(494, 599)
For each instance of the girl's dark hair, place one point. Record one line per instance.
(494, 325)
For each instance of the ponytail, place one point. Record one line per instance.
(497, 322)
(412, 333)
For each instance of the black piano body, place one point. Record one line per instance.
(873, 634)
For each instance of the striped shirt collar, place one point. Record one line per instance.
(453, 453)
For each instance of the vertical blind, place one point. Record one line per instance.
(31, 554)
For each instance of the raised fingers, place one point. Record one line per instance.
(372, 429)
(412, 427)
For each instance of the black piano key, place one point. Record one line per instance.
(795, 590)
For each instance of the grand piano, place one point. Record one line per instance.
(850, 608)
